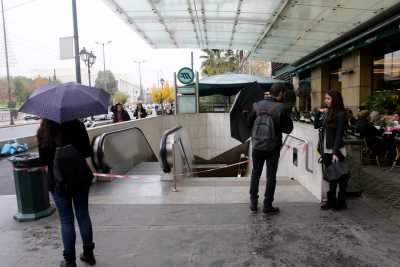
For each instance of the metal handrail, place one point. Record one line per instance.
(307, 151)
(163, 149)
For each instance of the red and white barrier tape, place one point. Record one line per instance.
(119, 176)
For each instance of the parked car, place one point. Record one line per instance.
(31, 117)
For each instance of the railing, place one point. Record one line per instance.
(121, 150)
(176, 153)
(307, 160)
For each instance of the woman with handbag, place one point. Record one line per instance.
(332, 124)
(64, 148)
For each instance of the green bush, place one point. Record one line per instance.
(382, 101)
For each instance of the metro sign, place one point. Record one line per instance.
(185, 75)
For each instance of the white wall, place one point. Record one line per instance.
(311, 179)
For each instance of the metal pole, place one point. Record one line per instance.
(191, 59)
(197, 92)
(90, 82)
(176, 94)
(76, 43)
(174, 167)
(140, 79)
(7, 65)
(104, 59)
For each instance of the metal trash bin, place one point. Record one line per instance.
(31, 187)
(353, 150)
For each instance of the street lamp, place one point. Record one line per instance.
(104, 57)
(140, 77)
(89, 59)
(162, 81)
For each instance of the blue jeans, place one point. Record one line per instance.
(64, 203)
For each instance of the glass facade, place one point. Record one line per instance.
(386, 71)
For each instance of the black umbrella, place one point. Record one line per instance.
(244, 100)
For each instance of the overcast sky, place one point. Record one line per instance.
(35, 26)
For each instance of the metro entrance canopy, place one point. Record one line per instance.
(276, 30)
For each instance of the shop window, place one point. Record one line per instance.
(386, 72)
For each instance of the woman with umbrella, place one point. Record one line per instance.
(64, 147)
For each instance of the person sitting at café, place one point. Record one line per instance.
(371, 134)
(351, 120)
(395, 120)
(140, 112)
(377, 119)
(120, 114)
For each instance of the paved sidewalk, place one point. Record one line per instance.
(208, 231)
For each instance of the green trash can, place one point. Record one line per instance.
(31, 188)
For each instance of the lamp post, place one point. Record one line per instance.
(76, 42)
(104, 57)
(162, 81)
(7, 65)
(140, 77)
(89, 59)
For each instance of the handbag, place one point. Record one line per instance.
(335, 171)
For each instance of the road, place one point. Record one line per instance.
(19, 131)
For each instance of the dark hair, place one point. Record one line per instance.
(49, 134)
(277, 89)
(336, 106)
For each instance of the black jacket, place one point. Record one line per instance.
(281, 116)
(367, 130)
(73, 133)
(334, 132)
(142, 111)
(125, 116)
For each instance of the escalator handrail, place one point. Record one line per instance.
(163, 148)
(98, 155)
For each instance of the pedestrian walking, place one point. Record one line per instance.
(332, 122)
(140, 112)
(269, 119)
(120, 114)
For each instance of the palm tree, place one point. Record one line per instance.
(218, 61)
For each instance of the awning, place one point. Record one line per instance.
(276, 30)
(231, 83)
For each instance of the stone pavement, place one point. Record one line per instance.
(208, 230)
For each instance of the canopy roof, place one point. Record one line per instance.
(276, 30)
(231, 83)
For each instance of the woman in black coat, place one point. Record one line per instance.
(120, 114)
(52, 136)
(332, 122)
(140, 112)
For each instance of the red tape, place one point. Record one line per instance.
(119, 176)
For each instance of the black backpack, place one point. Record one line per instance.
(71, 172)
(264, 137)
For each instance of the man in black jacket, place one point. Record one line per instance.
(282, 123)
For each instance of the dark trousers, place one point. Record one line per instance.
(272, 160)
(65, 207)
(327, 158)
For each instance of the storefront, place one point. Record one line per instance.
(365, 62)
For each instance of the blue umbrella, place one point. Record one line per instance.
(66, 102)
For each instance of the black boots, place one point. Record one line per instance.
(331, 203)
(67, 264)
(253, 205)
(270, 210)
(341, 201)
(88, 257)
(338, 203)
